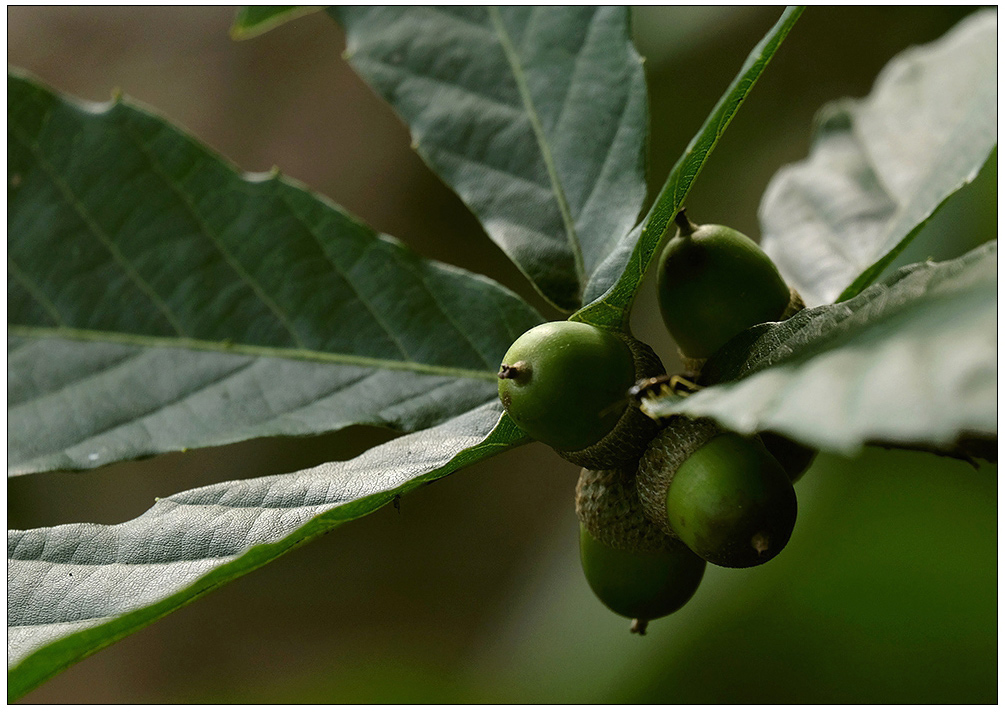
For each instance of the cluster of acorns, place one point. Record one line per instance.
(656, 501)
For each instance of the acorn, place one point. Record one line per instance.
(634, 568)
(565, 384)
(714, 282)
(794, 458)
(720, 493)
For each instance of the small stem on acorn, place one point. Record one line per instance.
(684, 225)
(519, 371)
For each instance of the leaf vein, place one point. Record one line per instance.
(83, 377)
(35, 291)
(163, 405)
(77, 205)
(345, 277)
(215, 240)
(449, 317)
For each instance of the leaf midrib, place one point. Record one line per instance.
(141, 340)
(542, 142)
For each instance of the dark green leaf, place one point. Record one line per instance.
(625, 266)
(158, 300)
(254, 20)
(910, 361)
(76, 588)
(535, 116)
(881, 166)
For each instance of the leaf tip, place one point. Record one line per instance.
(240, 29)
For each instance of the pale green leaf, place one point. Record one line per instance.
(881, 166)
(911, 361)
(76, 588)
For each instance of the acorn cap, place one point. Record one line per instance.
(796, 305)
(608, 506)
(680, 439)
(630, 565)
(719, 492)
(628, 438)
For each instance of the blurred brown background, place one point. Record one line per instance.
(472, 593)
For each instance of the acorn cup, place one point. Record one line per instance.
(720, 493)
(633, 567)
(629, 437)
(565, 384)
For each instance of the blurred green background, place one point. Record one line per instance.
(472, 593)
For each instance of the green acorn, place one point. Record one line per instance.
(714, 282)
(565, 383)
(794, 458)
(635, 569)
(720, 493)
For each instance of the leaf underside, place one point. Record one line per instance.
(74, 589)
(535, 116)
(911, 360)
(881, 166)
(158, 300)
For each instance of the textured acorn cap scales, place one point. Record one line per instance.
(633, 431)
(635, 569)
(608, 505)
(664, 456)
(720, 493)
